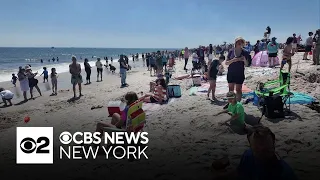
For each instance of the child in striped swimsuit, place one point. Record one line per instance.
(159, 94)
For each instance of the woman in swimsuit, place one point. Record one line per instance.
(287, 54)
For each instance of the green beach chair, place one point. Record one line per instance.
(279, 87)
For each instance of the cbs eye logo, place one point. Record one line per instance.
(65, 137)
(29, 145)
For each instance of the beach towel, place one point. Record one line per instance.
(181, 77)
(149, 107)
(301, 98)
(261, 59)
(221, 88)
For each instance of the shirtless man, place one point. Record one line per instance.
(76, 78)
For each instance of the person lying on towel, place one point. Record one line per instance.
(236, 110)
(159, 94)
(119, 120)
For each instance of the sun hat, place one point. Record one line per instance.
(274, 38)
(231, 95)
(240, 39)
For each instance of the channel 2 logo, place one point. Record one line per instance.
(34, 145)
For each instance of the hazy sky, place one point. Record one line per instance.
(151, 23)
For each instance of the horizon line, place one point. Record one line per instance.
(54, 47)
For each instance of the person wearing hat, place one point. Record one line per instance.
(237, 111)
(272, 48)
(76, 78)
(24, 83)
(236, 60)
(33, 82)
(99, 69)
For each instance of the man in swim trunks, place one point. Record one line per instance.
(76, 78)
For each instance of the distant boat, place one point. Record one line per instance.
(52, 47)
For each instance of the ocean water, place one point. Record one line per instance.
(12, 58)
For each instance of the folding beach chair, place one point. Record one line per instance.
(135, 116)
(268, 96)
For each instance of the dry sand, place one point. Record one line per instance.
(184, 136)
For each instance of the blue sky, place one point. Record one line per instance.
(150, 23)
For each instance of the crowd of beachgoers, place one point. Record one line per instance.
(210, 61)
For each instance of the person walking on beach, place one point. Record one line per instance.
(99, 69)
(111, 59)
(87, 68)
(54, 81)
(76, 78)
(186, 57)
(14, 79)
(272, 48)
(33, 82)
(24, 82)
(123, 71)
(45, 74)
(237, 62)
(309, 43)
(159, 64)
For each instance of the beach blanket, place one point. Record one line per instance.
(154, 106)
(301, 98)
(221, 88)
(296, 98)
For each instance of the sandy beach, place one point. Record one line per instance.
(184, 136)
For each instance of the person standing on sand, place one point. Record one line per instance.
(309, 43)
(316, 50)
(99, 69)
(186, 57)
(33, 82)
(272, 48)
(24, 82)
(123, 71)
(295, 43)
(76, 78)
(87, 68)
(236, 60)
(261, 161)
(288, 52)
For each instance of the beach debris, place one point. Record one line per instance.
(66, 90)
(26, 119)
(221, 164)
(96, 107)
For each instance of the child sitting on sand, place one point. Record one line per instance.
(119, 121)
(261, 160)
(159, 93)
(237, 111)
(112, 68)
(6, 96)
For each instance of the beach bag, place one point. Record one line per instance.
(273, 107)
(196, 79)
(174, 91)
